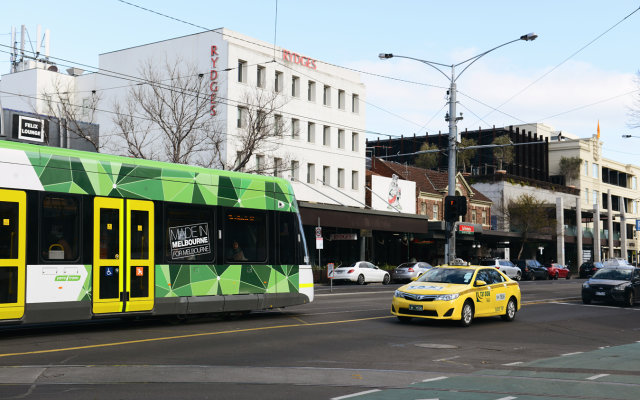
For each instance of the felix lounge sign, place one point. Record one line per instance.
(31, 129)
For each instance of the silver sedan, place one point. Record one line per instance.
(409, 270)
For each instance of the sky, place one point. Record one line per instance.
(581, 70)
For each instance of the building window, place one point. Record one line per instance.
(355, 103)
(341, 99)
(354, 141)
(278, 124)
(435, 212)
(341, 177)
(586, 168)
(473, 216)
(295, 168)
(354, 180)
(242, 117)
(279, 81)
(586, 195)
(326, 175)
(596, 170)
(596, 197)
(311, 91)
(259, 162)
(341, 138)
(86, 107)
(326, 136)
(295, 128)
(295, 86)
(311, 132)
(242, 71)
(634, 183)
(635, 207)
(311, 173)
(277, 167)
(423, 208)
(261, 77)
(484, 217)
(326, 95)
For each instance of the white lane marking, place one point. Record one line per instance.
(354, 293)
(507, 398)
(447, 359)
(435, 379)
(572, 354)
(355, 394)
(514, 363)
(593, 378)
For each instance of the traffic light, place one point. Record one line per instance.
(454, 207)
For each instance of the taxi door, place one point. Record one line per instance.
(498, 293)
(483, 294)
(123, 262)
(12, 253)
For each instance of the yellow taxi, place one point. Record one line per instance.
(458, 293)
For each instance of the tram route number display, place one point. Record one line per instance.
(189, 240)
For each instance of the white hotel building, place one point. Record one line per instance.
(324, 112)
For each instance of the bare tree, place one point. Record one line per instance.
(261, 130)
(78, 118)
(634, 110)
(529, 215)
(167, 117)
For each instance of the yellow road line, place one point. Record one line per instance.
(193, 335)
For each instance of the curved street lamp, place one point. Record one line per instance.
(452, 120)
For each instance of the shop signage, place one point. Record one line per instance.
(213, 82)
(466, 229)
(298, 59)
(638, 225)
(31, 129)
(344, 236)
(189, 240)
(393, 194)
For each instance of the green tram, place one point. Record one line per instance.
(86, 235)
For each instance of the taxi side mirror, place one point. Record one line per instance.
(480, 282)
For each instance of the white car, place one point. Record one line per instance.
(505, 266)
(361, 272)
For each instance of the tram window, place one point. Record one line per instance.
(245, 236)
(139, 235)
(109, 233)
(287, 238)
(188, 235)
(60, 228)
(8, 285)
(8, 230)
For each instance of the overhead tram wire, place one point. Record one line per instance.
(565, 60)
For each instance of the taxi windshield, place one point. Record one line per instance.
(447, 275)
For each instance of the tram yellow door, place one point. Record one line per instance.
(12, 253)
(123, 263)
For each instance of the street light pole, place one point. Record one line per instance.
(453, 124)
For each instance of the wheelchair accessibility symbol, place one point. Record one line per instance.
(108, 271)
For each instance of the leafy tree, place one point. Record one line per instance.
(570, 168)
(428, 160)
(465, 156)
(503, 154)
(529, 215)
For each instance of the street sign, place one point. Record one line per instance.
(318, 232)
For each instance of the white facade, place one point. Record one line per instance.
(334, 154)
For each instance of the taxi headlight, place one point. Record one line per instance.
(448, 297)
(397, 293)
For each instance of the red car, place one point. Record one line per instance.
(558, 271)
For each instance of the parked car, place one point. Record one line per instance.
(589, 268)
(558, 271)
(618, 283)
(409, 270)
(505, 266)
(458, 293)
(532, 269)
(361, 272)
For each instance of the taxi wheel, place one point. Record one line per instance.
(361, 279)
(510, 313)
(467, 314)
(386, 279)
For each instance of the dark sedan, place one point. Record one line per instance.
(589, 268)
(613, 284)
(532, 269)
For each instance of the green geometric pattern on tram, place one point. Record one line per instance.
(85, 292)
(207, 280)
